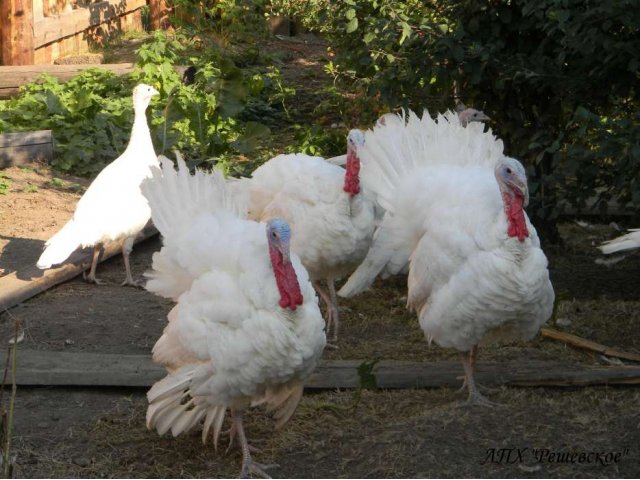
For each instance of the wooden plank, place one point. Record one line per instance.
(111, 370)
(12, 78)
(17, 32)
(588, 344)
(25, 138)
(25, 147)
(50, 29)
(27, 282)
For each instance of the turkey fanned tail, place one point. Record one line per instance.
(626, 242)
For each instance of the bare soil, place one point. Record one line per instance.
(100, 432)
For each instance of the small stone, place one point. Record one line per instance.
(81, 461)
(43, 425)
(563, 322)
(68, 341)
(529, 468)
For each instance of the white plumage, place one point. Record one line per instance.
(628, 241)
(454, 207)
(229, 343)
(332, 228)
(113, 207)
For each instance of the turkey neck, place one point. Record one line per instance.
(352, 173)
(140, 139)
(286, 280)
(513, 208)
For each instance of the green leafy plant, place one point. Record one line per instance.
(5, 184)
(214, 118)
(57, 183)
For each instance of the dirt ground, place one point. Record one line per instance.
(100, 432)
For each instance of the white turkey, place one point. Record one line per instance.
(466, 116)
(113, 207)
(246, 328)
(332, 220)
(455, 212)
(628, 241)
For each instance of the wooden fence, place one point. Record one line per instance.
(40, 31)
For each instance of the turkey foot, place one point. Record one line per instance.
(92, 279)
(475, 397)
(249, 467)
(479, 386)
(232, 436)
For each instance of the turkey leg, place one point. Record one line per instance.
(127, 247)
(475, 397)
(331, 312)
(248, 465)
(91, 278)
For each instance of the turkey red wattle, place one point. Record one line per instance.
(514, 209)
(352, 174)
(286, 280)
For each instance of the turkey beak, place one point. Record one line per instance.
(154, 92)
(481, 117)
(284, 251)
(523, 190)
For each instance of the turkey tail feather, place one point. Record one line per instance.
(626, 242)
(378, 258)
(60, 246)
(172, 407)
(176, 197)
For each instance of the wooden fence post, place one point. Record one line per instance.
(157, 9)
(16, 17)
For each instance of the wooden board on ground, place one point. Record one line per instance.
(13, 77)
(29, 281)
(111, 370)
(25, 147)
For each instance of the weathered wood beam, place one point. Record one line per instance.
(50, 29)
(25, 147)
(112, 370)
(17, 26)
(12, 78)
(29, 281)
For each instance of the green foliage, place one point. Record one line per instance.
(367, 375)
(218, 116)
(226, 19)
(5, 184)
(89, 116)
(57, 183)
(558, 77)
(319, 141)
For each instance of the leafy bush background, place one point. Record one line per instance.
(559, 78)
(223, 114)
